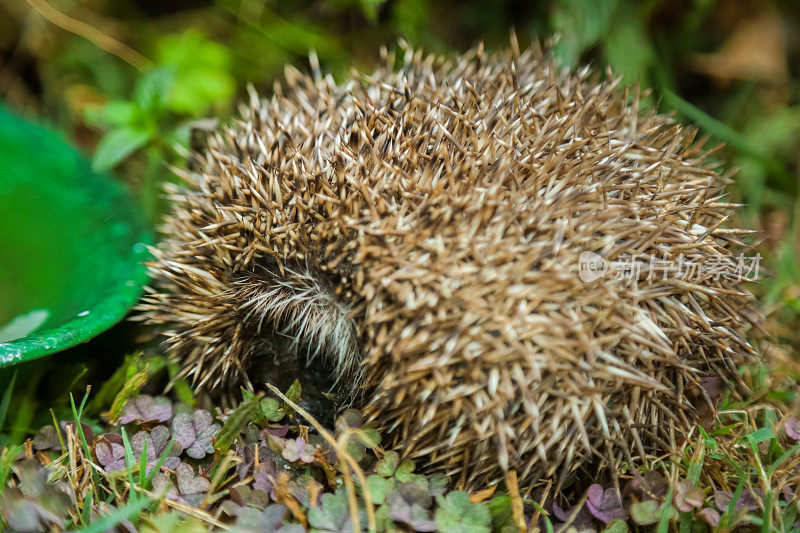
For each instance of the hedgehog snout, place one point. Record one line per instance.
(297, 313)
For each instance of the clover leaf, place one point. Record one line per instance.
(605, 505)
(332, 513)
(194, 432)
(409, 505)
(264, 476)
(35, 504)
(688, 497)
(457, 514)
(298, 450)
(156, 442)
(190, 489)
(145, 408)
(110, 452)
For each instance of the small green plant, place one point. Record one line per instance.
(191, 78)
(158, 461)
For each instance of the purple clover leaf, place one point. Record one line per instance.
(409, 503)
(747, 501)
(605, 505)
(247, 460)
(35, 504)
(47, 439)
(267, 519)
(416, 492)
(410, 513)
(23, 515)
(275, 431)
(244, 496)
(110, 452)
(248, 456)
(145, 408)
(264, 476)
(156, 442)
(710, 516)
(271, 518)
(298, 450)
(583, 518)
(32, 478)
(162, 485)
(87, 431)
(191, 489)
(194, 432)
(688, 497)
(651, 485)
(793, 428)
(303, 487)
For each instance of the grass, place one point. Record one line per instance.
(196, 61)
(742, 470)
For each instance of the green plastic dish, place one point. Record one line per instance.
(72, 243)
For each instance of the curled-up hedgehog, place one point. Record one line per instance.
(415, 237)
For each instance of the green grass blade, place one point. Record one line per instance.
(129, 461)
(728, 515)
(7, 457)
(766, 527)
(77, 415)
(143, 462)
(782, 458)
(129, 390)
(726, 133)
(157, 468)
(111, 520)
(666, 508)
(234, 425)
(58, 430)
(86, 514)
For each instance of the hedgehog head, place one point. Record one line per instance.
(418, 233)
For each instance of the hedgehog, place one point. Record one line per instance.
(418, 237)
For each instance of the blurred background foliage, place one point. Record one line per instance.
(126, 78)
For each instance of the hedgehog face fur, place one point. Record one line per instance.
(418, 232)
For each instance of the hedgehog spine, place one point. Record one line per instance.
(422, 230)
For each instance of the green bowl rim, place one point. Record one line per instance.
(104, 314)
(114, 300)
